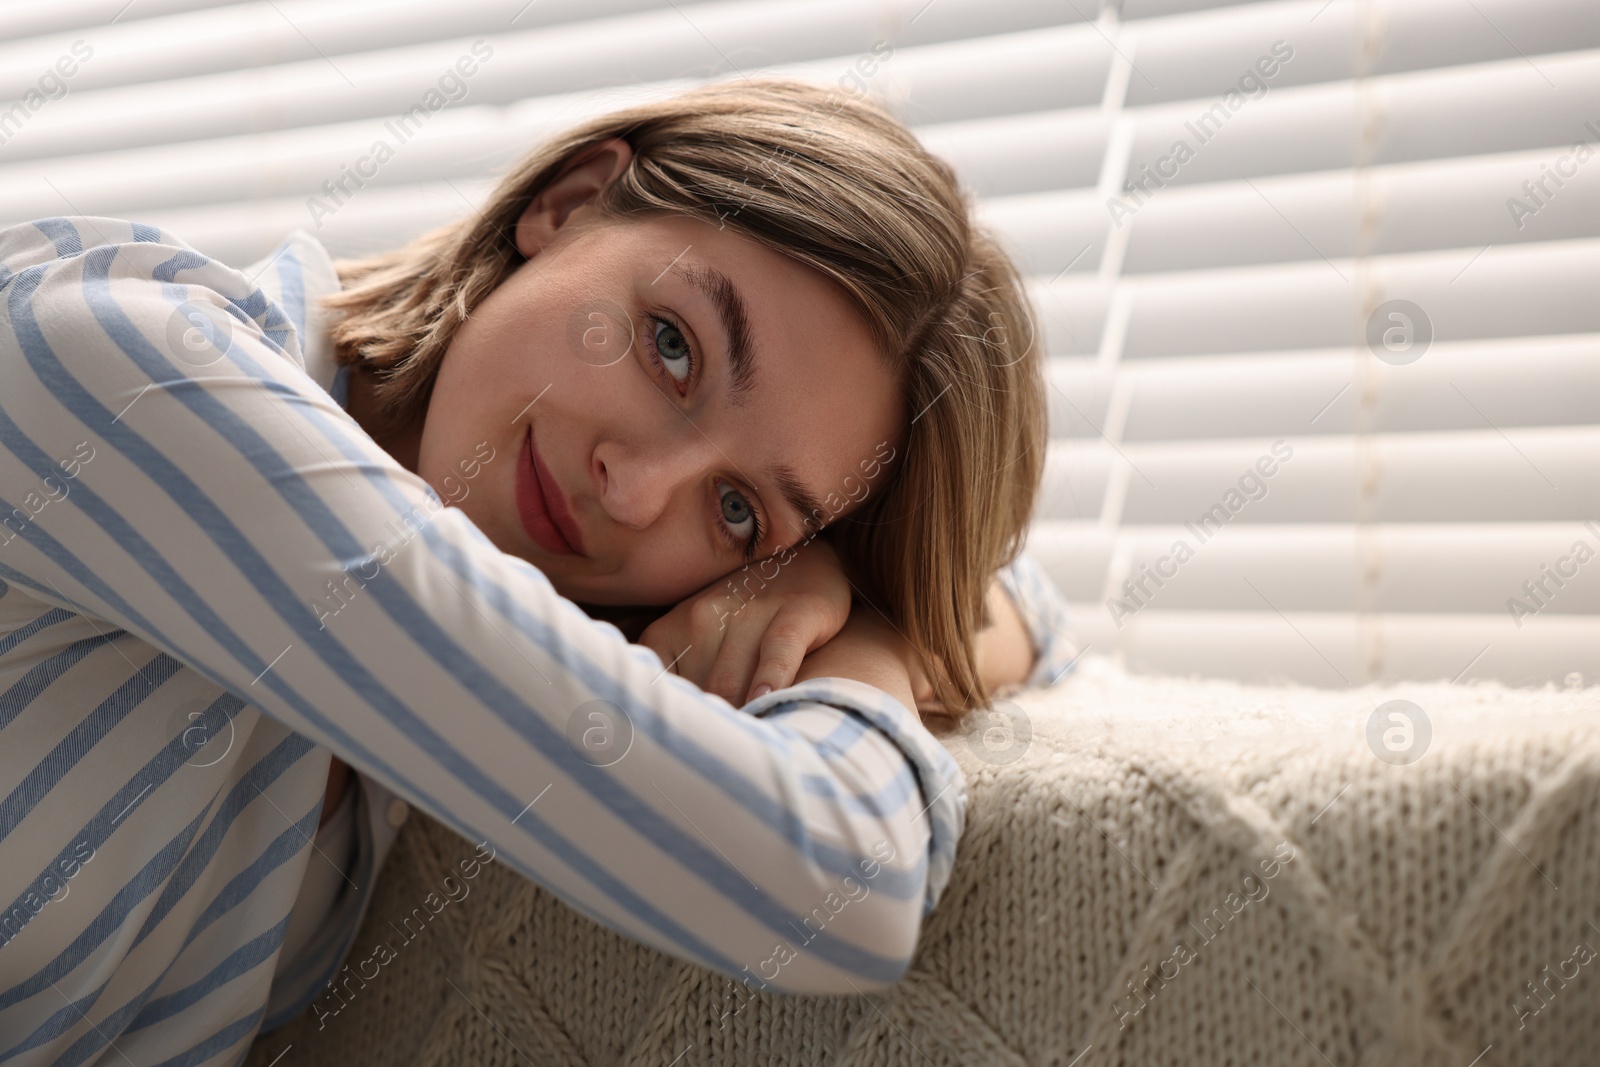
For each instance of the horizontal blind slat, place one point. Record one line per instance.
(1470, 294)
(1270, 394)
(1382, 567)
(1340, 649)
(1543, 474)
(1207, 54)
(1471, 110)
(1467, 294)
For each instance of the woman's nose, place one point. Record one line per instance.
(638, 481)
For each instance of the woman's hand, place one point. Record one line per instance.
(753, 628)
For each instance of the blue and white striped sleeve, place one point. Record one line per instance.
(1044, 613)
(796, 843)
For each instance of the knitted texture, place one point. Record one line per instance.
(1155, 872)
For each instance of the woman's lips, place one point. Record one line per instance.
(541, 506)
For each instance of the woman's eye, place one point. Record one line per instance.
(736, 512)
(673, 349)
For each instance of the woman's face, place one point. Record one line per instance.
(682, 387)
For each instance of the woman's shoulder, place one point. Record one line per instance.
(124, 271)
(115, 247)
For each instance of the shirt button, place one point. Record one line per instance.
(398, 811)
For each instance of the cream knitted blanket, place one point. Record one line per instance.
(1155, 871)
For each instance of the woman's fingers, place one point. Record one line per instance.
(693, 658)
(735, 653)
(729, 676)
(795, 630)
(682, 652)
(709, 624)
(660, 636)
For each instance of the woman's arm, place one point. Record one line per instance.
(866, 647)
(1005, 652)
(1042, 610)
(237, 519)
(1026, 642)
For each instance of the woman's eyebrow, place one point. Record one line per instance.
(725, 297)
(802, 500)
(718, 288)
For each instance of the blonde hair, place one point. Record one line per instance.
(841, 186)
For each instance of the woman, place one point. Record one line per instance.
(248, 547)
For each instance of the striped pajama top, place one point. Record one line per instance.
(180, 490)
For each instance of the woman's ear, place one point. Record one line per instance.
(575, 186)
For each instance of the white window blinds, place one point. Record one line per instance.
(1318, 278)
